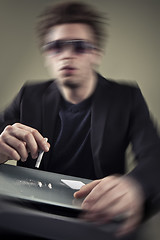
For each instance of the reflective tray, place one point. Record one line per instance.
(38, 186)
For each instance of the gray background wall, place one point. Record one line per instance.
(132, 52)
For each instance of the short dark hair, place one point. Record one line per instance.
(72, 12)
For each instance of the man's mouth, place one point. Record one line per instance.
(68, 68)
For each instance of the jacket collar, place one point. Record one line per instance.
(99, 114)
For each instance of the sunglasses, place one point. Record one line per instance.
(78, 46)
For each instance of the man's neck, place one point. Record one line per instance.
(80, 93)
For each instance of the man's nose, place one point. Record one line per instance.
(67, 52)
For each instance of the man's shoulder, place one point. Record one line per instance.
(120, 90)
(38, 87)
(38, 84)
(117, 84)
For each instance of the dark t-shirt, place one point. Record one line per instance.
(72, 153)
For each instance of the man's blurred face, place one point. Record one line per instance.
(71, 54)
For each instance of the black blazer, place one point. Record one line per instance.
(119, 116)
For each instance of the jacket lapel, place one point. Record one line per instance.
(99, 114)
(50, 108)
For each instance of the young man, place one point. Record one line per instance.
(88, 120)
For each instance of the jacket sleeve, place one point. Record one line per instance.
(146, 146)
(11, 114)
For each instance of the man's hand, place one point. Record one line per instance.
(17, 140)
(110, 197)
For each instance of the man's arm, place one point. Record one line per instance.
(127, 195)
(18, 140)
(111, 197)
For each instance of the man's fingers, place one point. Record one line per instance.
(99, 192)
(86, 189)
(17, 140)
(112, 203)
(102, 212)
(96, 217)
(18, 147)
(22, 141)
(8, 152)
(32, 136)
(97, 188)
